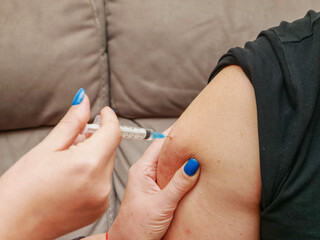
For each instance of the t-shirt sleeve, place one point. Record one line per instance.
(283, 65)
(262, 62)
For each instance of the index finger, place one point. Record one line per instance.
(103, 143)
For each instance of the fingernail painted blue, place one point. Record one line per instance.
(158, 135)
(78, 97)
(191, 167)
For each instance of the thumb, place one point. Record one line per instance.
(183, 180)
(67, 130)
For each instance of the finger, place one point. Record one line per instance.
(67, 130)
(183, 180)
(103, 143)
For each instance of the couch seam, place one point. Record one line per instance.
(102, 51)
(108, 56)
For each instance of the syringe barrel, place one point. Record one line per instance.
(127, 132)
(136, 133)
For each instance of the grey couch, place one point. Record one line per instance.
(147, 59)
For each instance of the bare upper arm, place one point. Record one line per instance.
(219, 129)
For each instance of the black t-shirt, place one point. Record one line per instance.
(283, 65)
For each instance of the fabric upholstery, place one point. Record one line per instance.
(162, 52)
(48, 50)
(14, 144)
(159, 56)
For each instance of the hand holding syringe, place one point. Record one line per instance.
(127, 131)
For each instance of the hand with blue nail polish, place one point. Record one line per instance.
(147, 211)
(60, 186)
(67, 182)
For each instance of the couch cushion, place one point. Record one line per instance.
(162, 52)
(48, 50)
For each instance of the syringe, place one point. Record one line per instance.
(127, 131)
